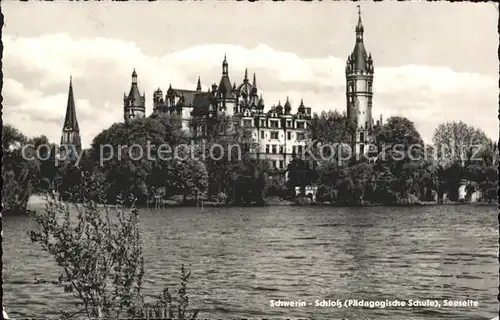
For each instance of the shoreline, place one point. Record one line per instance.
(273, 202)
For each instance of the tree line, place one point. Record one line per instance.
(243, 179)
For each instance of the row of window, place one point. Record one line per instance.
(276, 149)
(300, 136)
(278, 164)
(247, 123)
(353, 87)
(275, 135)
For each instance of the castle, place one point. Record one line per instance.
(280, 132)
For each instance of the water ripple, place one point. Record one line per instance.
(241, 258)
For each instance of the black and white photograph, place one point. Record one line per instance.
(230, 160)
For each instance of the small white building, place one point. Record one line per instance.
(462, 192)
(310, 192)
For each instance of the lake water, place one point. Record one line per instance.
(241, 258)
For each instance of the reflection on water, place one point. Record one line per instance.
(241, 258)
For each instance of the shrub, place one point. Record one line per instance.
(99, 252)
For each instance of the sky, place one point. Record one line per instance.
(434, 62)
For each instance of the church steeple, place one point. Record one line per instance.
(70, 121)
(71, 130)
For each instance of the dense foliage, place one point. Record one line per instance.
(404, 172)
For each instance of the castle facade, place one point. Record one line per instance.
(278, 133)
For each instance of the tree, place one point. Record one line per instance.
(47, 173)
(408, 174)
(331, 127)
(190, 177)
(100, 257)
(248, 181)
(458, 141)
(19, 171)
(300, 174)
(126, 170)
(399, 133)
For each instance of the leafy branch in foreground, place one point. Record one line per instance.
(99, 250)
(165, 308)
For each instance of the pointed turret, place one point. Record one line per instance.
(225, 90)
(134, 103)
(288, 106)
(358, 60)
(198, 85)
(279, 108)
(302, 108)
(245, 79)
(260, 105)
(359, 27)
(254, 87)
(134, 77)
(225, 66)
(71, 130)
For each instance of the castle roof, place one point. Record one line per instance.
(188, 95)
(358, 58)
(225, 88)
(134, 96)
(201, 103)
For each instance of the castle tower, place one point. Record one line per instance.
(158, 102)
(134, 105)
(70, 137)
(359, 80)
(225, 93)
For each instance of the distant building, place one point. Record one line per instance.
(70, 138)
